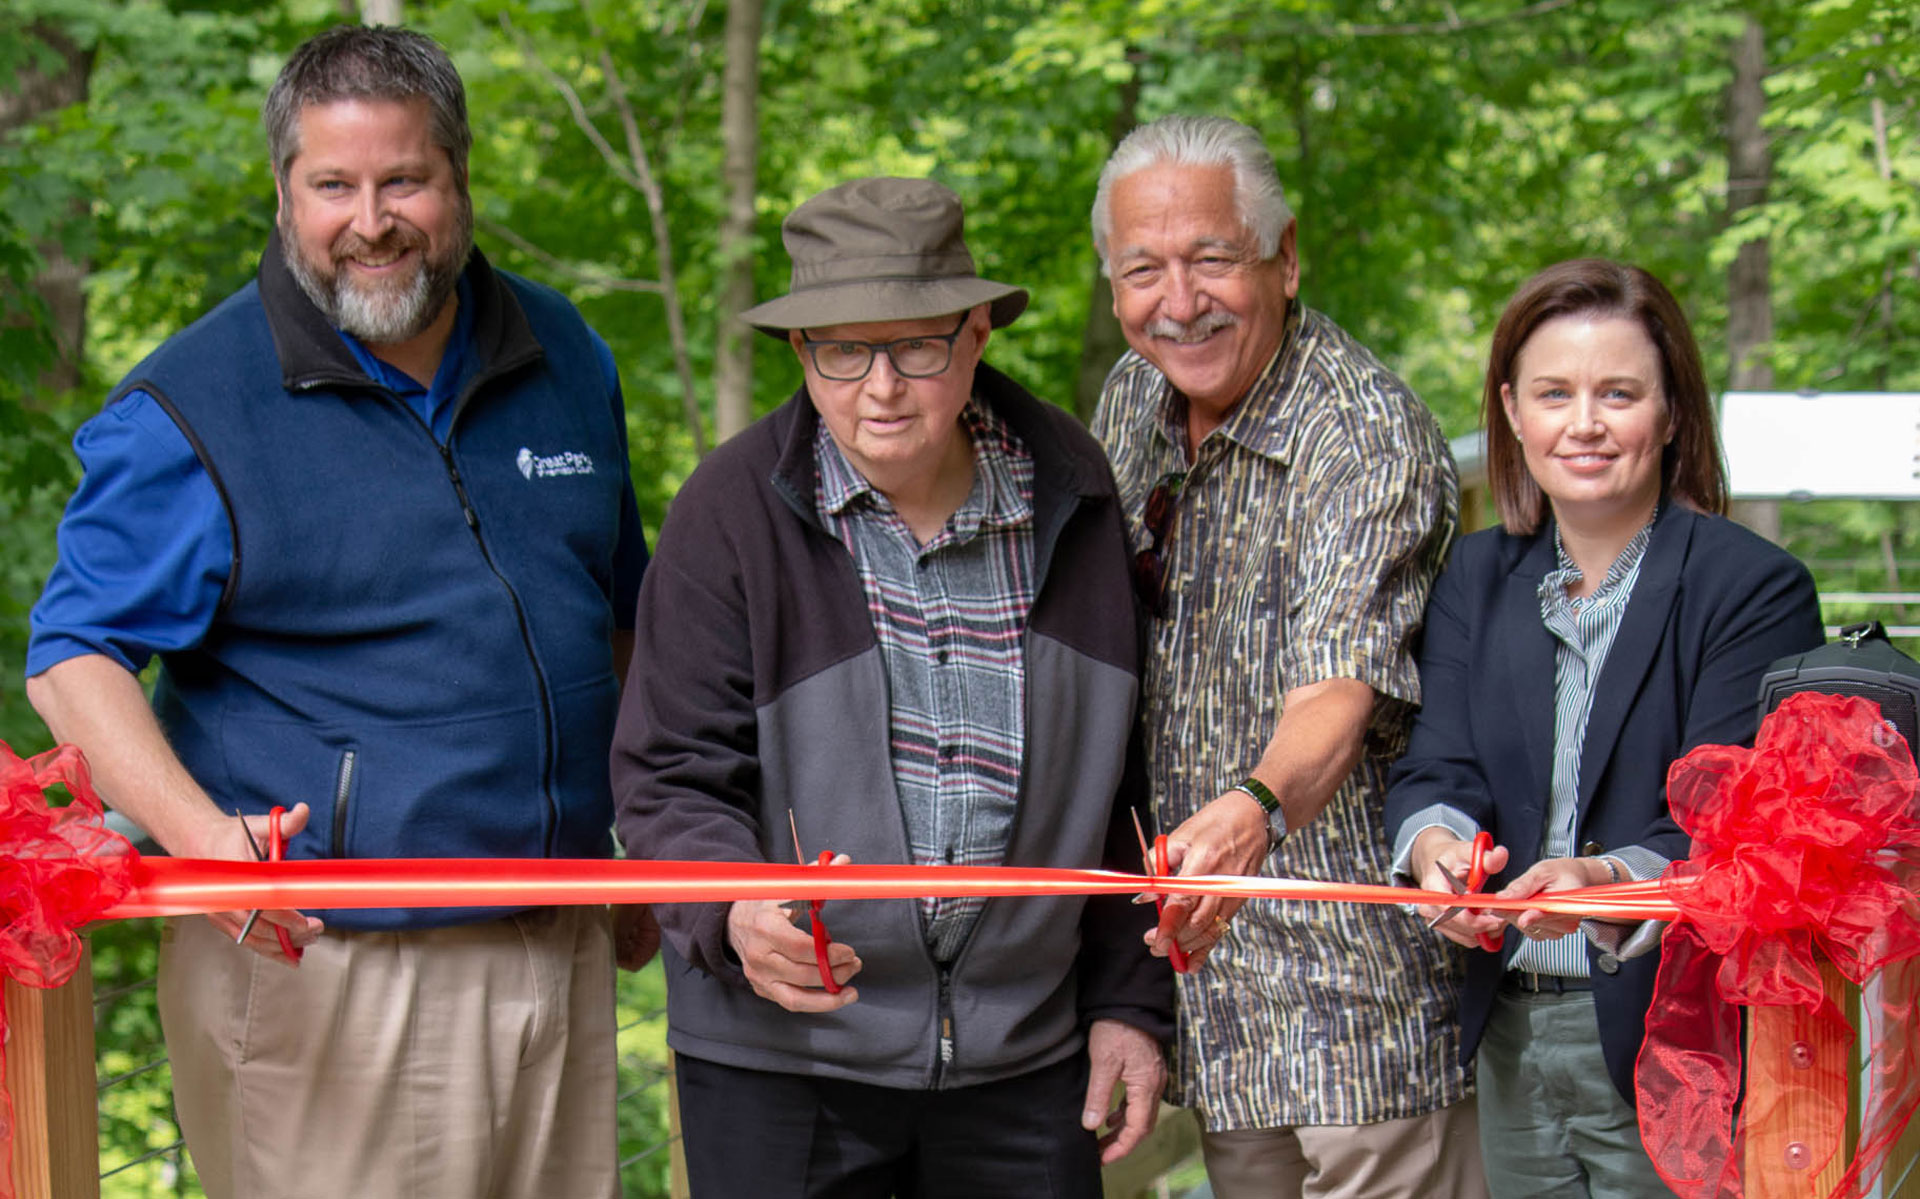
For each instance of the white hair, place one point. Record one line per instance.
(1198, 141)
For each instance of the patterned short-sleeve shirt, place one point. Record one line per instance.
(1305, 540)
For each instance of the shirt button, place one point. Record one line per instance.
(1592, 849)
(941, 657)
(947, 752)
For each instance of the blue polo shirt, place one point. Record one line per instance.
(145, 548)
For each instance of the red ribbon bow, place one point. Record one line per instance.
(1805, 847)
(63, 870)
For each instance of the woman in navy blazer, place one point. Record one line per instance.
(1616, 620)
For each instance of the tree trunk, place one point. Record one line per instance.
(34, 94)
(635, 169)
(381, 12)
(1104, 341)
(740, 135)
(1749, 288)
(1883, 162)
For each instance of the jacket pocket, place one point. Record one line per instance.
(343, 784)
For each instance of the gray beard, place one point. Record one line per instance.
(379, 315)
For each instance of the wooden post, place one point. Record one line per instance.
(1779, 1154)
(677, 1185)
(50, 1074)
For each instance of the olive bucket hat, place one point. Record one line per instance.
(880, 250)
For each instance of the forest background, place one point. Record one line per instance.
(1760, 157)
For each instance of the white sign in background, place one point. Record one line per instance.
(1821, 445)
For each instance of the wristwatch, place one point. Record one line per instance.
(1270, 804)
(1276, 829)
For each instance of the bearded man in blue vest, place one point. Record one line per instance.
(373, 513)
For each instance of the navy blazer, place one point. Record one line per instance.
(1713, 606)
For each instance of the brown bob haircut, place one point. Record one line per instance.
(1690, 469)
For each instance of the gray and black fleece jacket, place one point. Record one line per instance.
(757, 689)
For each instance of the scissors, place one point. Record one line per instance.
(1175, 955)
(276, 851)
(822, 939)
(1476, 878)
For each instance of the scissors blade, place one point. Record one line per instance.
(1459, 888)
(797, 905)
(1146, 861)
(798, 857)
(258, 856)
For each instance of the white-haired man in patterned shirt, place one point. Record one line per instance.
(1290, 502)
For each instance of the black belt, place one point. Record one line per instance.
(1552, 984)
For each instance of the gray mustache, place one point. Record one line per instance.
(1197, 329)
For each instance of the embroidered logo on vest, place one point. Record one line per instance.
(567, 462)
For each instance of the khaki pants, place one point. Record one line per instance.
(1435, 1156)
(474, 1062)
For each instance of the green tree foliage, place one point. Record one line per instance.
(152, 182)
(1846, 220)
(1437, 152)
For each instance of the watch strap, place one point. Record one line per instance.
(1269, 803)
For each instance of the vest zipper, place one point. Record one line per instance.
(342, 788)
(496, 370)
(526, 642)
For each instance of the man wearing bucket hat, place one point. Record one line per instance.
(892, 620)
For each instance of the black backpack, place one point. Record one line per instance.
(1860, 662)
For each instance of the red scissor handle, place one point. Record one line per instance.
(1477, 878)
(1175, 955)
(276, 851)
(822, 939)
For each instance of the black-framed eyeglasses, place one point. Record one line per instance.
(918, 357)
(1150, 564)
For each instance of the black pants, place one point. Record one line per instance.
(750, 1134)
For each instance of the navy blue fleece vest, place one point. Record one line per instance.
(414, 641)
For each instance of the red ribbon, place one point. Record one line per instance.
(1775, 876)
(62, 869)
(1805, 847)
(180, 886)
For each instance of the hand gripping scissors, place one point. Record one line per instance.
(822, 939)
(276, 851)
(1175, 955)
(1476, 878)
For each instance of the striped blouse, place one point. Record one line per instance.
(1583, 631)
